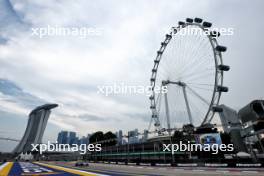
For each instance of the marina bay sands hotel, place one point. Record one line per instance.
(36, 125)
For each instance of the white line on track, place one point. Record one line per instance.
(179, 169)
(223, 171)
(197, 170)
(162, 168)
(3, 165)
(250, 172)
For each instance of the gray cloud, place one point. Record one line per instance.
(143, 117)
(13, 93)
(88, 117)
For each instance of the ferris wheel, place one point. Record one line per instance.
(187, 77)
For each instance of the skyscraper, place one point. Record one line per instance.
(62, 137)
(72, 139)
(36, 125)
(119, 136)
(133, 137)
(67, 137)
(83, 140)
(145, 136)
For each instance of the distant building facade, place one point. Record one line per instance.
(67, 137)
(83, 140)
(72, 139)
(62, 137)
(119, 136)
(145, 136)
(133, 136)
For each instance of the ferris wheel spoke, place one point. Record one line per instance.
(199, 109)
(202, 88)
(194, 66)
(197, 76)
(199, 51)
(201, 75)
(185, 58)
(198, 63)
(164, 73)
(193, 74)
(184, 52)
(198, 95)
(199, 84)
(197, 45)
(191, 62)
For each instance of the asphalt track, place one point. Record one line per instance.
(97, 169)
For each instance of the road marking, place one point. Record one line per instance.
(2, 166)
(223, 171)
(5, 168)
(197, 170)
(250, 172)
(73, 171)
(33, 168)
(162, 168)
(179, 169)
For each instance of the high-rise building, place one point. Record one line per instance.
(88, 138)
(145, 136)
(63, 137)
(133, 137)
(119, 136)
(36, 125)
(83, 140)
(67, 137)
(72, 139)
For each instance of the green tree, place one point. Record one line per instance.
(177, 136)
(107, 139)
(96, 137)
(110, 139)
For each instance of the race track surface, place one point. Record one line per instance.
(100, 169)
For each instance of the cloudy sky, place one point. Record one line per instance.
(67, 69)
